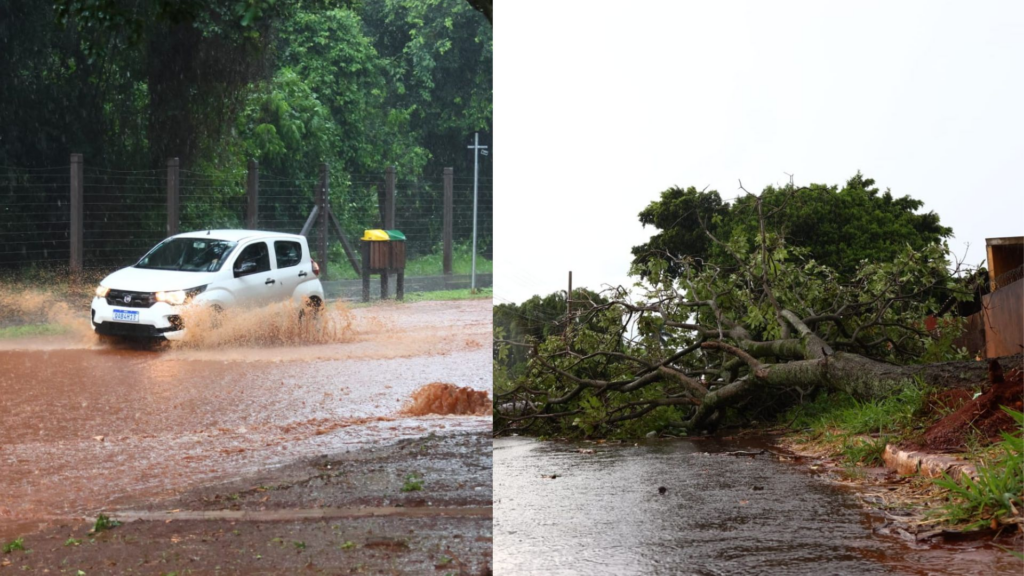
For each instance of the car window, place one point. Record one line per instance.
(256, 252)
(288, 253)
(187, 255)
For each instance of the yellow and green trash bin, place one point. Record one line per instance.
(383, 253)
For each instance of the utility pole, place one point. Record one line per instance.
(568, 297)
(477, 150)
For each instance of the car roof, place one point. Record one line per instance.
(237, 235)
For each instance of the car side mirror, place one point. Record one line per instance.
(245, 268)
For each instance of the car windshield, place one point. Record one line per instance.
(187, 255)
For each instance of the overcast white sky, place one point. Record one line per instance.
(599, 106)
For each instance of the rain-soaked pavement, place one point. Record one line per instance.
(720, 514)
(89, 426)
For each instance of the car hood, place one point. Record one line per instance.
(146, 280)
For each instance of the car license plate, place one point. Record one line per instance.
(126, 315)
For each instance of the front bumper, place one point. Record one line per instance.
(161, 320)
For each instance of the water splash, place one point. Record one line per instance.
(447, 399)
(280, 324)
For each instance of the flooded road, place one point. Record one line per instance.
(720, 514)
(87, 426)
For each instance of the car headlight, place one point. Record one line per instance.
(101, 291)
(179, 297)
(174, 297)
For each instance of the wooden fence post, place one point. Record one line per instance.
(76, 251)
(448, 214)
(324, 215)
(252, 193)
(173, 197)
(389, 198)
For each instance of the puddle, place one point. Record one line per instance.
(719, 514)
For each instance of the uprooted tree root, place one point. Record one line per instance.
(982, 417)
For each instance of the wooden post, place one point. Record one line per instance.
(448, 214)
(400, 285)
(568, 297)
(77, 165)
(389, 221)
(323, 216)
(364, 251)
(389, 198)
(252, 193)
(568, 309)
(173, 197)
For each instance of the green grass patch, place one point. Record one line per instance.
(997, 495)
(866, 451)
(413, 483)
(28, 330)
(838, 411)
(857, 431)
(104, 522)
(13, 545)
(463, 294)
(424, 265)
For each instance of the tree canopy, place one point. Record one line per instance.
(358, 84)
(838, 227)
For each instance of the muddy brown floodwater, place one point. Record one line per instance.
(88, 426)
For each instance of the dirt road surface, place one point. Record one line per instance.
(89, 427)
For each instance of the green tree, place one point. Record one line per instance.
(839, 227)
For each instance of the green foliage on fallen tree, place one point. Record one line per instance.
(703, 344)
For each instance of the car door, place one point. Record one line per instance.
(255, 283)
(289, 269)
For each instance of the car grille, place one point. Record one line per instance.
(126, 330)
(135, 299)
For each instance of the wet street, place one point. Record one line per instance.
(89, 426)
(720, 514)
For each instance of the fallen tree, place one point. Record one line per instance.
(763, 331)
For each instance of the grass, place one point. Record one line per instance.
(839, 411)
(462, 294)
(425, 265)
(18, 544)
(864, 451)
(437, 295)
(997, 495)
(858, 430)
(104, 522)
(413, 483)
(31, 330)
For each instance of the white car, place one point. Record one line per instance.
(219, 268)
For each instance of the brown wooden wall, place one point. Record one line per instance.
(1004, 320)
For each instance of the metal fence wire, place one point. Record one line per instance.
(34, 216)
(125, 213)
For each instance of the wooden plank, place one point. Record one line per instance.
(252, 193)
(349, 252)
(76, 249)
(325, 210)
(309, 221)
(446, 261)
(389, 198)
(173, 197)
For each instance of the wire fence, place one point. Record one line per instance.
(35, 214)
(125, 213)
